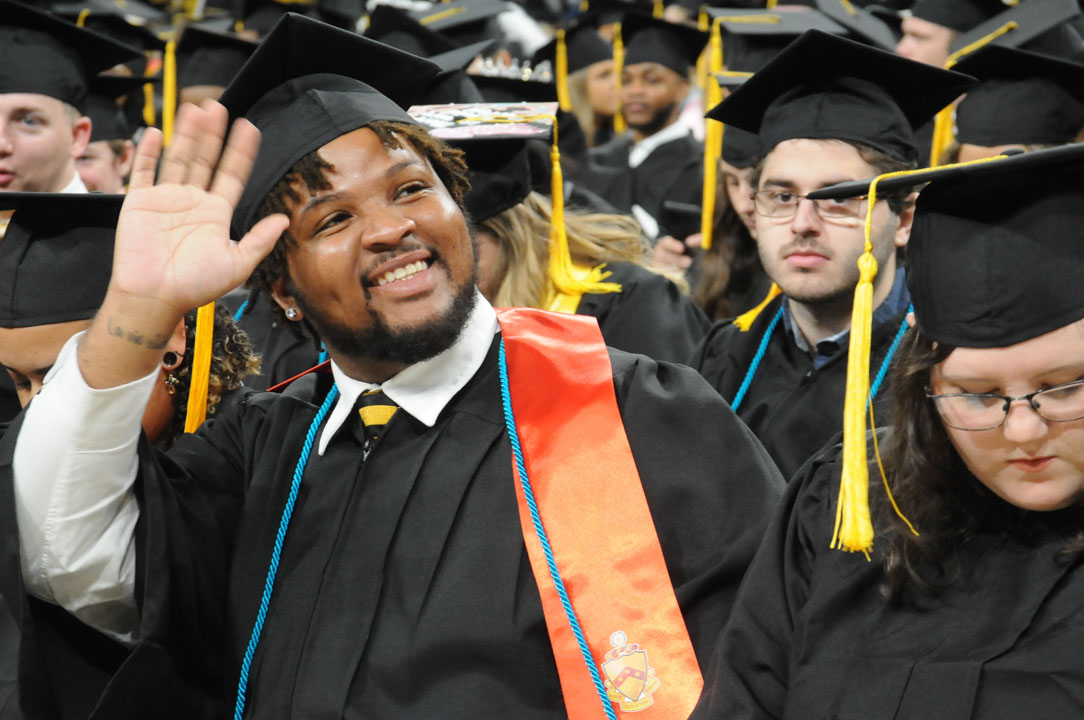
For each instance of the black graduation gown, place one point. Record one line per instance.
(404, 589)
(793, 408)
(671, 172)
(283, 354)
(813, 638)
(650, 315)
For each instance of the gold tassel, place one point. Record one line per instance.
(169, 91)
(561, 71)
(81, 21)
(943, 130)
(657, 9)
(745, 321)
(713, 137)
(619, 64)
(561, 271)
(201, 368)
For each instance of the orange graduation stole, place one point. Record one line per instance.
(593, 511)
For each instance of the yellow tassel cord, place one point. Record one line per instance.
(239, 26)
(450, 12)
(703, 24)
(713, 137)
(848, 7)
(745, 321)
(657, 9)
(201, 368)
(619, 64)
(943, 131)
(81, 21)
(150, 117)
(770, 5)
(562, 274)
(561, 71)
(169, 91)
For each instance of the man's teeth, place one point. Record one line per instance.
(402, 272)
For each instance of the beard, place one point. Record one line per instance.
(382, 343)
(659, 119)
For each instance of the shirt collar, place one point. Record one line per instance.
(645, 147)
(424, 389)
(75, 186)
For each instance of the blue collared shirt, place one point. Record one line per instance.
(896, 303)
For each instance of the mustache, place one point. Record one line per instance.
(435, 258)
(804, 245)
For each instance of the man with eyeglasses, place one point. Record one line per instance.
(827, 110)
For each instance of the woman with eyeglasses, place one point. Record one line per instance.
(969, 602)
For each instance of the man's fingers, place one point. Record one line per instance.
(186, 133)
(208, 144)
(236, 162)
(257, 243)
(145, 163)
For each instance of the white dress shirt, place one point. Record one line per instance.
(76, 460)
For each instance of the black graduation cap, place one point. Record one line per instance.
(107, 119)
(109, 21)
(56, 257)
(132, 10)
(741, 148)
(393, 26)
(958, 15)
(584, 47)
(647, 39)
(751, 38)
(210, 57)
(1033, 25)
(263, 15)
(463, 21)
(497, 89)
(302, 98)
(860, 22)
(824, 86)
(45, 55)
(1022, 98)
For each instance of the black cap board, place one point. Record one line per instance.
(1033, 22)
(583, 45)
(301, 100)
(57, 256)
(464, 21)
(994, 255)
(262, 15)
(1022, 98)
(210, 57)
(647, 39)
(107, 119)
(497, 89)
(828, 87)
(132, 10)
(860, 22)
(113, 24)
(741, 148)
(393, 26)
(957, 15)
(46, 55)
(751, 38)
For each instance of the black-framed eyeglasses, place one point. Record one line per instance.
(987, 411)
(783, 205)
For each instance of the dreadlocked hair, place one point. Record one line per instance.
(310, 175)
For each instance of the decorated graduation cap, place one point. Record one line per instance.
(752, 38)
(648, 39)
(823, 86)
(494, 137)
(107, 119)
(860, 22)
(301, 99)
(57, 256)
(993, 260)
(1022, 98)
(46, 55)
(463, 21)
(210, 57)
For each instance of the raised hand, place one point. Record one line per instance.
(173, 244)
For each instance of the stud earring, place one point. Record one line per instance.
(291, 313)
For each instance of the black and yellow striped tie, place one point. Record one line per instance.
(375, 409)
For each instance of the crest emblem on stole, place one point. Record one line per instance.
(630, 679)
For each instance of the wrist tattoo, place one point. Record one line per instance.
(155, 342)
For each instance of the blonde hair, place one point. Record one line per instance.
(523, 235)
(581, 105)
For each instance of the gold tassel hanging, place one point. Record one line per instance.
(943, 130)
(561, 73)
(81, 21)
(658, 7)
(619, 64)
(713, 137)
(169, 91)
(201, 368)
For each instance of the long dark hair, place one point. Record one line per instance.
(930, 483)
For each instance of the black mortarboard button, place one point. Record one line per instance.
(301, 99)
(862, 24)
(584, 47)
(828, 87)
(57, 256)
(1022, 98)
(751, 38)
(463, 21)
(647, 39)
(994, 255)
(210, 57)
(107, 119)
(45, 55)
(1030, 24)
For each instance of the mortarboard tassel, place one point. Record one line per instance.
(619, 64)
(561, 272)
(703, 24)
(150, 117)
(943, 132)
(561, 72)
(713, 137)
(201, 368)
(169, 91)
(657, 9)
